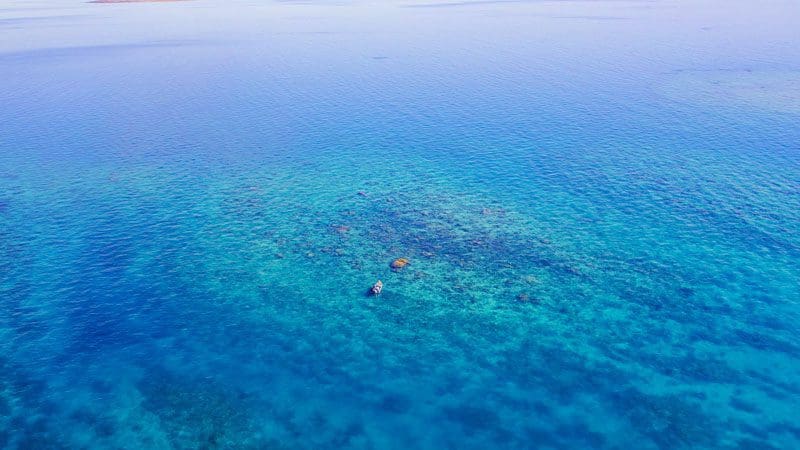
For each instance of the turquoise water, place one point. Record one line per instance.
(600, 202)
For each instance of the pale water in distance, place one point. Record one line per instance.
(599, 202)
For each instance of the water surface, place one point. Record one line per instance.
(600, 201)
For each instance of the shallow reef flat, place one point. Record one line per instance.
(493, 320)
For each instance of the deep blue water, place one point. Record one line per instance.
(600, 202)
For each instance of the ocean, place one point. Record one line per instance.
(599, 202)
